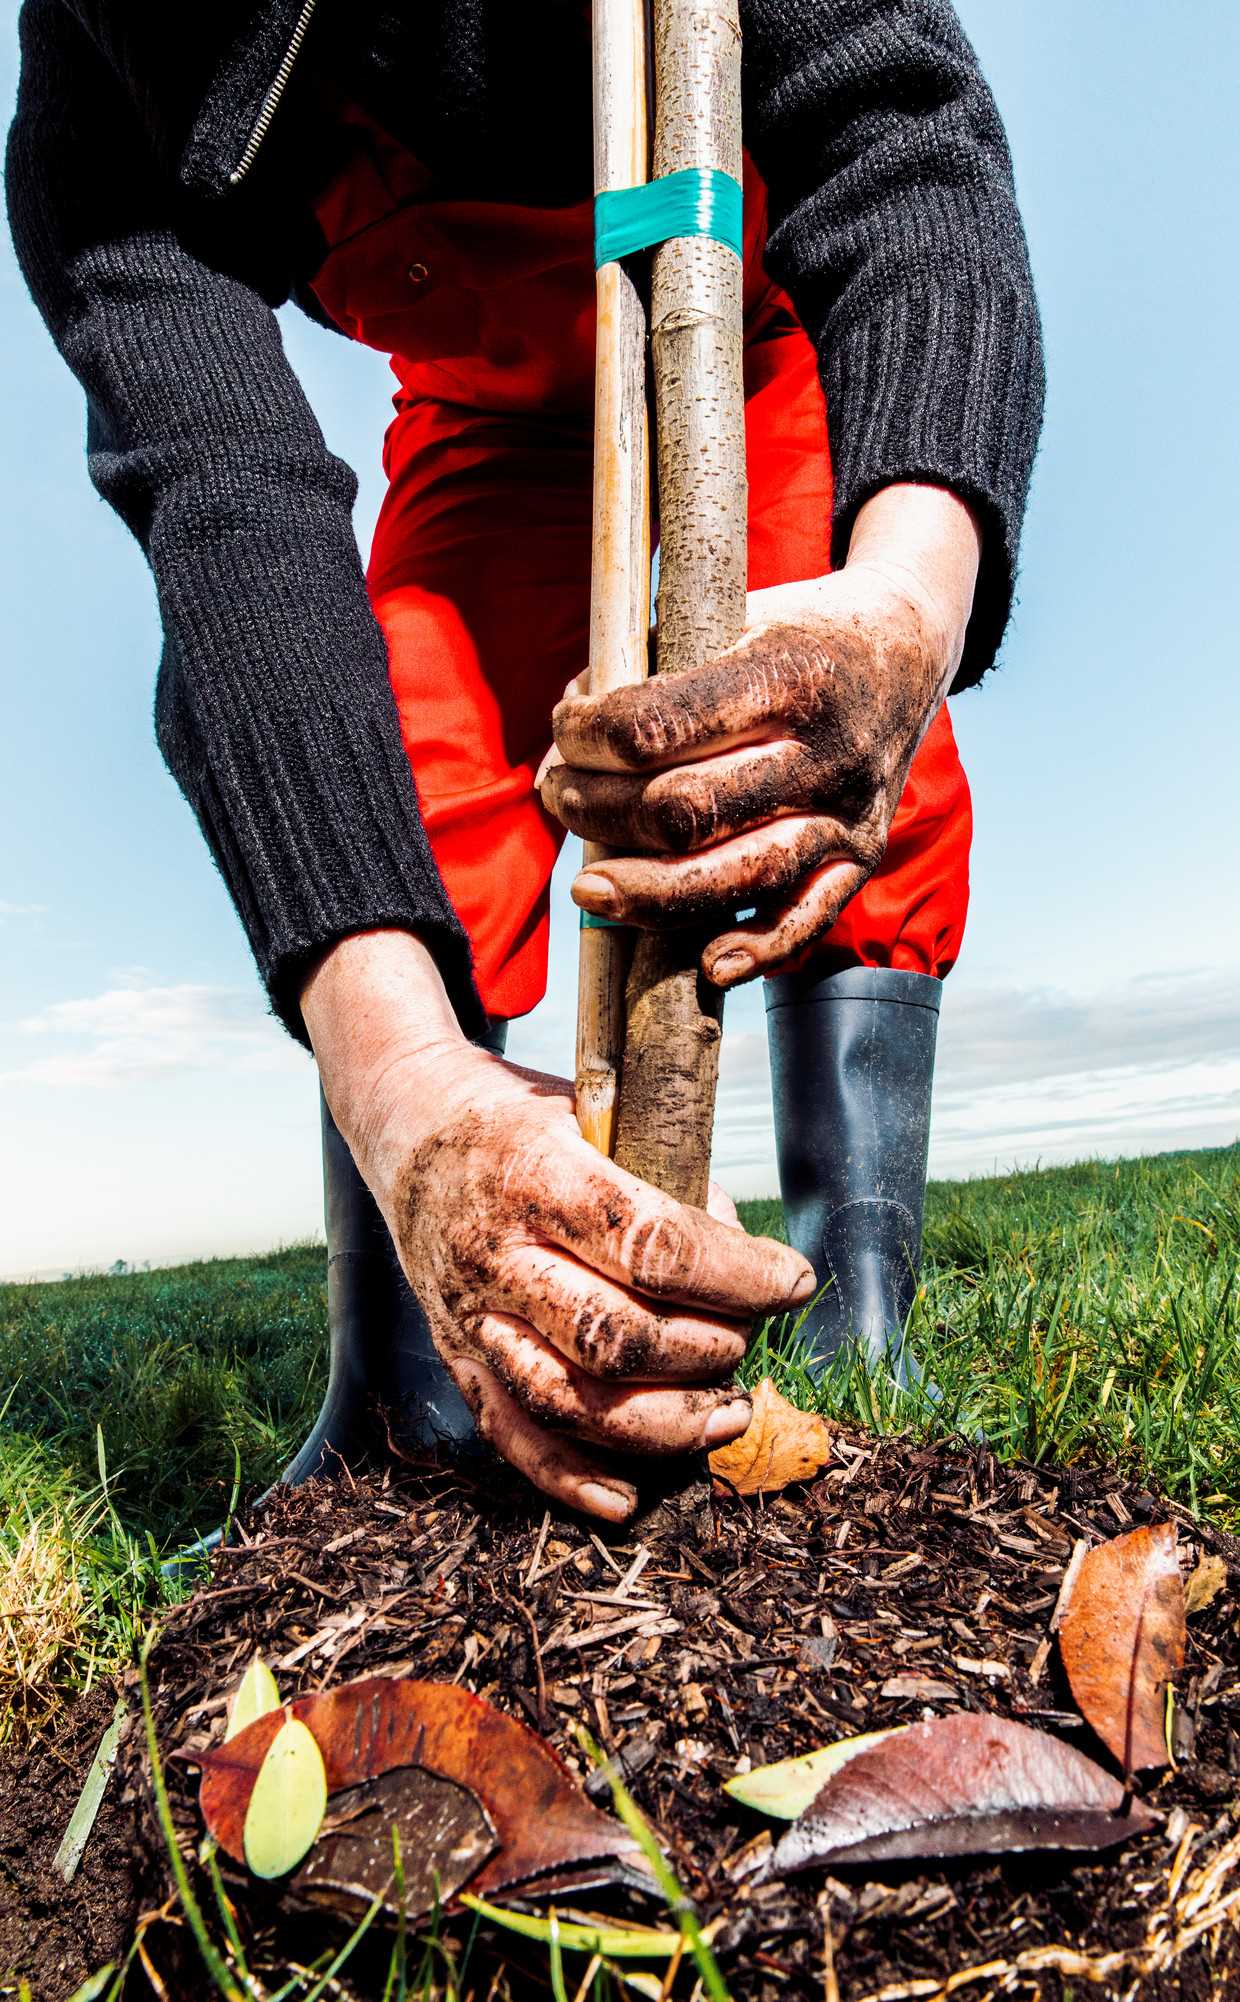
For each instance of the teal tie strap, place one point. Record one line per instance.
(697, 201)
(590, 923)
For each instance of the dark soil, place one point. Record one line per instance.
(906, 1582)
(54, 1934)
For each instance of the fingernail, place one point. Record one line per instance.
(728, 1422)
(616, 1504)
(730, 966)
(805, 1288)
(596, 893)
(552, 758)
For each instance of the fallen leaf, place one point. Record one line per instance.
(786, 1788)
(818, 1650)
(95, 1984)
(542, 1819)
(256, 1695)
(780, 1445)
(287, 1801)
(1121, 1640)
(445, 1837)
(962, 1785)
(1204, 1584)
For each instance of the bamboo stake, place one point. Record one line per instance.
(620, 572)
(671, 1053)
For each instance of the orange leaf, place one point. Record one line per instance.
(542, 1819)
(1121, 1639)
(780, 1445)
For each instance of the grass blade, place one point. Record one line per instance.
(612, 1942)
(211, 1957)
(681, 1907)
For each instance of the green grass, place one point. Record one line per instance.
(127, 1405)
(1089, 1311)
(175, 1368)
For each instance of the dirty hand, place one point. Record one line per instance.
(576, 1307)
(768, 777)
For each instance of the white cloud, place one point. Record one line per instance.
(10, 910)
(134, 1032)
(1037, 1074)
(1025, 1075)
(1155, 1022)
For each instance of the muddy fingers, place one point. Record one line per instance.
(554, 1466)
(607, 1330)
(629, 1418)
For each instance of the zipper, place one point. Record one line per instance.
(271, 103)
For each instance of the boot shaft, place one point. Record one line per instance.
(852, 1065)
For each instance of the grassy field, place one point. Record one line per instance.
(1089, 1311)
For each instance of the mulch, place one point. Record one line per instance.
(905, 1582)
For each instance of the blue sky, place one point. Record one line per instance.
(149, 1109)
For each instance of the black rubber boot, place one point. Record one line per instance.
(385, 1381)
(852, 1064)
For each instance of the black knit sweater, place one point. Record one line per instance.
(156, 265)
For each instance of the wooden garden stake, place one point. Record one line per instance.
(620, 573)
(671, 1052)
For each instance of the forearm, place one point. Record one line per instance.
(276, 715)
(274, 708)
(895, 230)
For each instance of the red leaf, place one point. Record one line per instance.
(542, 1819)
(1121, 1639)
(962, 1785)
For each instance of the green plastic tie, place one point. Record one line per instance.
(590, 923)
(697, 201)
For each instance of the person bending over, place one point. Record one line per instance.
(366, 753)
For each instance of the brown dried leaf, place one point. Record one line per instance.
(1208, 1579)
(963, 1785)
(780, 1445)
(542, 1819)
(1121, 1640)
(445, 1838)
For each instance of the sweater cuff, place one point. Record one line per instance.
(942, 386)
(290, 753)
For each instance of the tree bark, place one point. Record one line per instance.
(620, 567)
(671, 1052)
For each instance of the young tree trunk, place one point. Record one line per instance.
(671, 1052)
(620, 571)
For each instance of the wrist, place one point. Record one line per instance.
(379, 1020)
(924, 542)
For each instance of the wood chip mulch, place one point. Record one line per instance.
(907, 1581)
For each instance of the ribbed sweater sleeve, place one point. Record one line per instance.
(895, 231)
(274, 709)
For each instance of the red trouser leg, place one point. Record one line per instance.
(480, 579)
(481, 582)
(911, 913)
